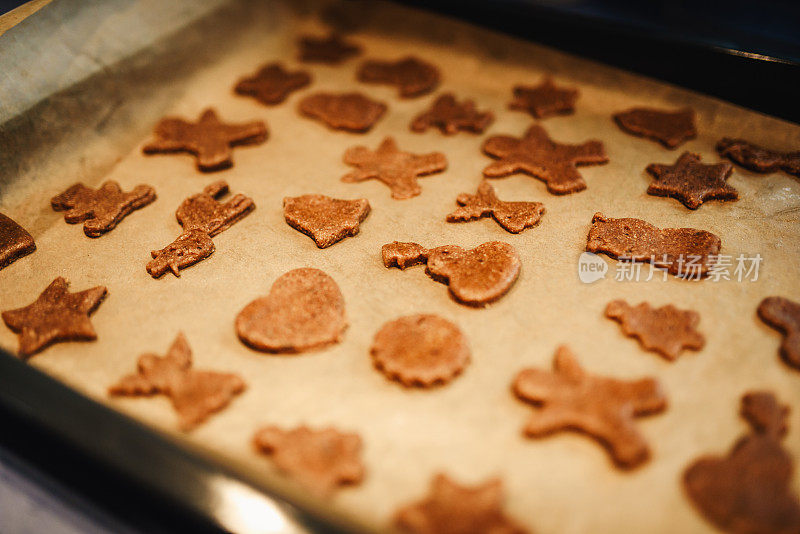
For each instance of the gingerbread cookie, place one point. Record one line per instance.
(750, 489)
(665, 330)
(420, 350)
(455, 509)
(670, 128)
(536, 154)
(692, 182)
(326, 220)
(332, 49)
(569, 398)
(412, 76)
(195, 395)
(201, 216)
(513, 217)
(475, 277)
(684, 252)
(450, 116)
(209, 139)
(397, 169)
(102, 209)
(783, 315)
(55, 316)
(15, 241)
(320, 460)
(757, 158)
(304, 310)
(545, 99)
(352, 112)
(272, 84)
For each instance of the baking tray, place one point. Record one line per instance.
(91, 126)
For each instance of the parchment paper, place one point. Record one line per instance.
(471, 428)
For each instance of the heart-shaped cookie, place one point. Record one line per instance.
(304, 310)
(476, 277)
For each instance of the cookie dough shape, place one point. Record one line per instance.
(544, 100)
(783, 315)
(55, 316)
(750, 489)
(201, 216)
(420, 350)
(15, 241)
(195, 395)
(451, 508)
(513, 217)
(451, 116)
(665, 330)
(352, 112)
(412, 76)
(209, 139)
(684, 252)
(476, 277)
(326, 220)
(304, 310)
(670, 128)
(272, 84)
(757, 158)
(569, 398)
(539, 156)
(397, 169)
(691, 181)
(321, 460)
(101, 209)
(333, 49)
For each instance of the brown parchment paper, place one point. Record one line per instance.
(472, 427)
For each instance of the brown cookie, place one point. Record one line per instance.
(670, 128)
(272, 84)
(202, 216)
(352, 112)
(545, 99)
(684, 252)
(195, 395)
(189, 248)
(332, 49)
(455, 509)
(514, 217)
(757, 158)
(692, 182)
(749, 490)
(326, 220)
(604, 408)
(666, 330)
(304, 310)
(56, 315)
(101, 209)
(412, 76)
(536, 154)
(475, 277)
(15, 241)
(420, 350)
(783, 315)
(209, 139)
(320, 460)
(450, 116)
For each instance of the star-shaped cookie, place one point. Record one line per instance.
(545, 99)
(272, 84)
(57, 315)
(209, 139)
(536, 154)
(691, 181)
(332, 49)
(450, 116)
(397, 169)
(326, 220)
(452, 508)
